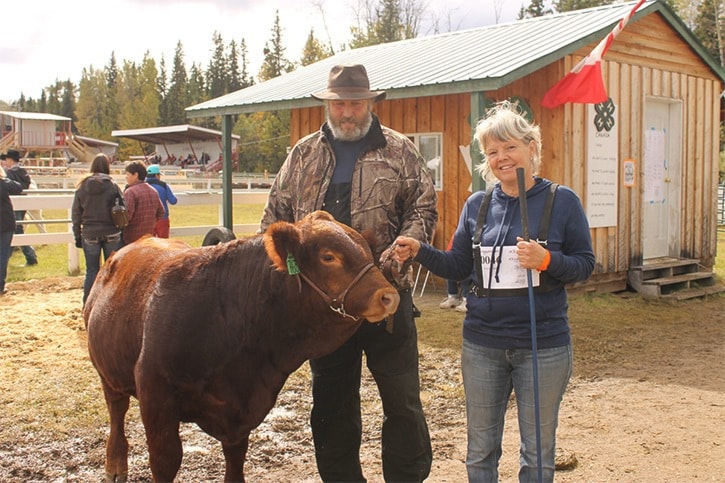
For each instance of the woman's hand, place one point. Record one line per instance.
(405, 248)
(531, 255)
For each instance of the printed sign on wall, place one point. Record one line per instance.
(602, 166)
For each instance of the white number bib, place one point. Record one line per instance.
(511, 274)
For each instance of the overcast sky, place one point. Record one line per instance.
(48, 40)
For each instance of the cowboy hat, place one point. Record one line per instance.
(348, 83)
(12, 154)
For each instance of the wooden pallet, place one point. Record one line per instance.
(674, 279)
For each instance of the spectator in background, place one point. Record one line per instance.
(142, 202)
(7, 223)
(93, 227)
(457, 291)
(15, 172)
(153, 177)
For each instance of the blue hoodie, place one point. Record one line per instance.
(165, 194)
(504, 321)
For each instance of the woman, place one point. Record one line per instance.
(93, 227)
(496, 357)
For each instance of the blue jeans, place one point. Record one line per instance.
(28, 252)
(92, 248)
(489, 376)
(6, 238)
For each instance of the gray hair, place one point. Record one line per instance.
(504, 122)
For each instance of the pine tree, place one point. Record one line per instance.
(68, 102)
(275, 63)
(710, 28)
(177, 98)
(234, 78)
(391, 20)
(245, 78)
(161, 84)
(313, 50)
(216, 73)
(197, 88)
(571, 5)
(537, 8)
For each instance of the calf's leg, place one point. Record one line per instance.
(160, 416)
(234, 455)
(117, 444)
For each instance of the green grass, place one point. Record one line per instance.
(720, 259)
(53, 259)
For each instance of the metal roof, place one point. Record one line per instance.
(97, 142)
(35, 116)
(480, 59)
(171, 134)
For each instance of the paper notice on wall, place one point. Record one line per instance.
(654, 166)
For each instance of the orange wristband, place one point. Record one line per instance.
(545, 264)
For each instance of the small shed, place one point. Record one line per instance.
(39, 137)
(644, 163)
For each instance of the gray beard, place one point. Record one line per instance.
(355, 135)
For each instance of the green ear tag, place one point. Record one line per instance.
(292, 267)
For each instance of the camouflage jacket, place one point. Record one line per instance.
(392, 191)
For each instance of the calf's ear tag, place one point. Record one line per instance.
(292, 267)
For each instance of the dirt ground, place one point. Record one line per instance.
(646, 403)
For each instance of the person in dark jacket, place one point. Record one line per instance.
(369, 177)
(7, 223)
(93, 226)
(153, 177)
(14, 171)
(497, 355)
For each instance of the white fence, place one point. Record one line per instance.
(721, 204)
(47, 201)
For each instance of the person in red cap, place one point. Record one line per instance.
(370, 178)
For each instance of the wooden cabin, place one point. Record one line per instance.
(647, 176)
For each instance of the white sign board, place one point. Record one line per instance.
(602, 165)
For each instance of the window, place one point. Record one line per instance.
(431, 147)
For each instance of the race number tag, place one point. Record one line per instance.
(510, 274)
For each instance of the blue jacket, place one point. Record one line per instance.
(165, 194)
(504, 321)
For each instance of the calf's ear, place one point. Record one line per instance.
(370, 238)
(280, 240)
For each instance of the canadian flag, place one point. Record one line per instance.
(584, 83)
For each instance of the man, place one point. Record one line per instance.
(142, 202)
(7, 223)
(16, 172)
(153, 177)
(370, 178)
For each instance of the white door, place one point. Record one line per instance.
(661, 178)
